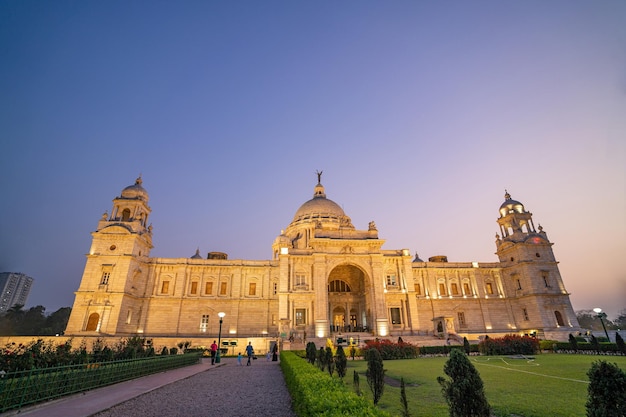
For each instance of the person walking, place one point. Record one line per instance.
(250, 353)
(239, 359)
(213, 352)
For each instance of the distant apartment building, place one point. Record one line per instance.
(15, 288)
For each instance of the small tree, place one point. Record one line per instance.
(464, 391)
(573, 342)
(352, 352)
(403, 401)
(595, 344)
(607, 390)
(620, 343)
(341, 362)
(356, 383)
(311, 352)
(321, 359)
(330, 363)
(375, 374)
(466, 346)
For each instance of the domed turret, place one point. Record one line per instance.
(510, 205)
(135, 191)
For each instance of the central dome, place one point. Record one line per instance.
(319, 208)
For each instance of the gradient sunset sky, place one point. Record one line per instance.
(420, 115)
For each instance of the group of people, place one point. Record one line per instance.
(249, 353)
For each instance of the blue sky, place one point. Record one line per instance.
(420, 114)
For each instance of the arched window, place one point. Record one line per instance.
(126, 215)
(338, 286)
(559, 318)
(92, 323)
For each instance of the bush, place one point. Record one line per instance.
(464, 391)
(311, 352)
(607, 390)
(375, 374)
(315, 393)
(341, 362)
(509, 345)
(389, 350)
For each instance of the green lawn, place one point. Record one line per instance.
(548, 386)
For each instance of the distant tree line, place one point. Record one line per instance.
(588, 319)
(17, 321)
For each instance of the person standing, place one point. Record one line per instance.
(213, 352)
(275, 352)
(250, 353)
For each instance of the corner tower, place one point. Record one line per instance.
(107, 301)
(531, 275)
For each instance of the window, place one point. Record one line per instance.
(126, 215)
(204, 323)
(559, 318)
(194, 288)
(391, 280)
(165, 286)
(252, 289)
(275, 288)
(461, 316)
(395, 316)
(442, 289)
(454, 289)
(418, 289)
(129, 315)
(338, 286)
(273, 319)
(105, 278)
(525, 314)
(519, 284)
(208, 288)
(489, 287)
(300, 316)
(223, 287)
(300, 280)
(544, 275)
(466, 288)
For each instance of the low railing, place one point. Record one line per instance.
(21, 388)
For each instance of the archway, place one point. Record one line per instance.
(92, 323)
(559, 318)
(347, 300)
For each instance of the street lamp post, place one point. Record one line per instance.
(219, 338)
(602, 316)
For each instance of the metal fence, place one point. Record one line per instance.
(21, 388)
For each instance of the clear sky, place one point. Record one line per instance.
(420, 114)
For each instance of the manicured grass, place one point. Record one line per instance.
(551, 385)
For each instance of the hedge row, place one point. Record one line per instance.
(315, 393)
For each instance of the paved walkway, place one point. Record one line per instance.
(223, 390)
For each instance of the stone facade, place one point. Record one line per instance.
(325, 276)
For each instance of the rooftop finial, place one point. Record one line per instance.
(507, 196)
(319, 176)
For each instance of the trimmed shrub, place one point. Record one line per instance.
(619, 342)
(375, 374)
(509, 345)
(311, 352)
(389, 350)
(464, 391)
(341, 362)
(607, 390)
(315, 393)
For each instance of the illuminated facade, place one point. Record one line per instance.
(325, 276)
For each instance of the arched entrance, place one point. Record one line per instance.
(92, 323)
(347, 299)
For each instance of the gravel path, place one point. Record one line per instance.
(227, 390)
